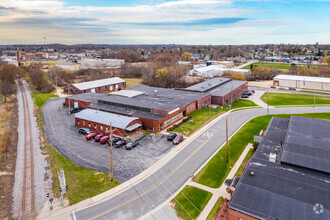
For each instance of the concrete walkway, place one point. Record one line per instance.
(256, 98)
(221, 191)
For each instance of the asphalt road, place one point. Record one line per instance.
(145, 196)
(63, 135)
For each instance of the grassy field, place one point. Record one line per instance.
(132, 82)
(216, 170)
(215, 209)
(201, 116)
(270, 65)
(316, 92)
(241, 168)
(277, 99)
(83, 183)
(190, 202)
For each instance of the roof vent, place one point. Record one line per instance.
(170, 97)
(155, 90)
(251, 173)
(210, 84)
(162, 100)
(146, 94)
(157, 96)
(272, 157)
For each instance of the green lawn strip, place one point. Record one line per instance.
(190, 200)
(316, 92)
(241, 167)
(215, 209)
(270, 65)
(280, 99)
(83, 183)
(201, 116)
(216, 170)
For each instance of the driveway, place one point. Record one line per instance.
(63, 135)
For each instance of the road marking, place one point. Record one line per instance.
(146, 192)
(74, 216)
(199, 140)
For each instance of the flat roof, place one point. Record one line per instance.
(303, 78)
(98, 83)
(227, 88)
(280, 191)
(207, 85)
(157, 98)
(87, 97)
(128, 93)
(118, 121)
(125, 111)
(307, 144)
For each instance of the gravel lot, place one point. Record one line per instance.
(63, 135)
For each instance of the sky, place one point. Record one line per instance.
(190, 22)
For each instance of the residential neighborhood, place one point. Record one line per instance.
(169, 110)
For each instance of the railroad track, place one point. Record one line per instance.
(28, 209)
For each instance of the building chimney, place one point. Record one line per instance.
(18, 56)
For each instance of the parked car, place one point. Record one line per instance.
(114, 140)
(247, 93)
(178, 139)
(104, 139)
(244, 96)
(84, 131)
(131, 145)
(171, 136)
(91, 135)
(292, 88)
(120, 143)
(273, 87)
(252, 91)
(98, 137)
(75, 110)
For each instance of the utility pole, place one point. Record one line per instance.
(267, 102)
(227, 143)
(63, 186)
(111, 174)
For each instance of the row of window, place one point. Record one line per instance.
(124, 106)
(90, 125)
(169, 121)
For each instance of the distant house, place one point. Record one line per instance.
(303, 82)
(97, 86)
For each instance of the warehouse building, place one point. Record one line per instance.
(97, 86)
(83, 100)
(158, 108)
(288, 177)
(224, 90)
(303, 82)
(100, 121)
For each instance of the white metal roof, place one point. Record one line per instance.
(98, 83)
(128, 93)
(302, 78)
(118, 121)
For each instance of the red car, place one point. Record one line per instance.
(273, 87)
(104, 139)
(98, 137)
(178, 139)
(91, 135)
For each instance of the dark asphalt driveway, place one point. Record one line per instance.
(63, 135)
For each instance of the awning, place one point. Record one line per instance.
(132, 127)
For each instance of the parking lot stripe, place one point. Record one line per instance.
(121, 205)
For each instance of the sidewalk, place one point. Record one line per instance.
(221, 191)
(256, 98)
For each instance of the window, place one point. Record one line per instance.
(95, 125)
(101, 128)
(89, 124)
(78, 122)
(105, 87)
(99, 88)
(84, 91)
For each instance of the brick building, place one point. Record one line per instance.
(100, 121)
(97, 86)
(82, 100)
(158, 108)
(288, 177)
(224, 91)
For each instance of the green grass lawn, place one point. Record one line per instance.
(201, 116)
(241, 167)
(216, 170)
(277, 99)
(316, 92)
(132, 82)
(83, 183)
(190, 202)
(270, 65)
(215, 209)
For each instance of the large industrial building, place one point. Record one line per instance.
(97, 86)
(160, 108)
(302, 82)
(289, 175)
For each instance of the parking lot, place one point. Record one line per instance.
(64, 136)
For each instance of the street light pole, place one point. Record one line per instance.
(111, 175)
(227, 144)
(314, 98)
(267, 102)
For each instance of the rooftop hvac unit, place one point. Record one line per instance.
(272, 157)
